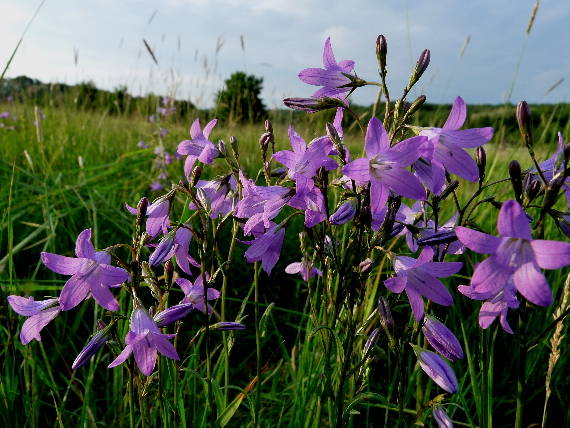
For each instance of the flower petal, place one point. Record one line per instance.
(122, 357)
(467, 138)
(161, 343)
(532, 284)
(358, 170)
(112, 276)
(145, 355)
(74, 292)
(416, 302)
(551, 254)
(61, 264)
(513, 221)
(403, 183)
(102, 294)
(33, 325)
(456, 160)
(396, 284)
(27, 306)
(376, 139)
(457, 115)
(83, 246)
(477, 241)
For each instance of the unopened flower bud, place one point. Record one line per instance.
(172, 314)
(234, 146)
(268, 126)
(421, 66)
(481, 159)
(365, 265)
(227, 325)
(278, 172)
(371, 341)
(381, 53)
(442, 419)
(168, 273)
(416, 105)
(94, 345)
(312, 105)
(524, 120)
(442, 339)
(163, 251)
(438, 238)
(516, 180)
(344, 213)
(264, 140)
(385, 313)
(195, 175)
(222, 148)
(532, 187)
(437, 369)
(141, 211)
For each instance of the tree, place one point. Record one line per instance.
(240, 99)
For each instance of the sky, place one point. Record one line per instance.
(199, 43)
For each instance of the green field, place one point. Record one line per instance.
(78, 169)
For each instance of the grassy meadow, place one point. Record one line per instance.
(64, 169)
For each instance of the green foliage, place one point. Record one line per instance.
(240, 100)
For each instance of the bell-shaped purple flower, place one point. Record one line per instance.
(437, 369)
(445, 149)
(266, 247)
(384, 168)
(217, 195)
(145, 341)
(175, 244)
(442, 339)
(157, 215)
(515, 257)
(194, 293)
(420, 278)
(199, 147)
(92, 274)
(330, 77)
(40, 313)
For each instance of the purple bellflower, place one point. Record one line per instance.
(383, 167)
(266, 247)
(216, 196)
(442, 339)
(555, 165)
(420, 278)
(310, 199)
(330, 77)
(437, 369)
(305, 161)
(92, 274)
(199, 147)
(305, 269)
(194, 293)
(445, 149)
(40, 313)
(145, 341)
(515, 257)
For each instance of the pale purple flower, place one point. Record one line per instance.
(383, 167)
(194, 293)
(437, 369)
(514, 256)
(40, 313)
(217, 196)
(92, 274)
(442, 339)
(155, 186)
(310, 199)
(444, 149)
(175, 244)
(199, 147)
(441, 417)
(266, 247)
(305, 269)
(145, 341)
(420, 278)
(142, 145)
(93, 346)
(305, 160)
(330, 77)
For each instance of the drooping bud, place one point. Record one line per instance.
(524, 120)
(268, 126)
(222, 148)
(163, 251)
(264, 140)
(381, 53)
(437, 369)
(416, 105)
(94, 345)
(516, 180)
(441, 417)
(481, 159)
(442, 339)
(551, 192)
(174, 313)
(312, 105)
(344, 213)
(438, 238)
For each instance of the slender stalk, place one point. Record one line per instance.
(521, 372)
(257, 345)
